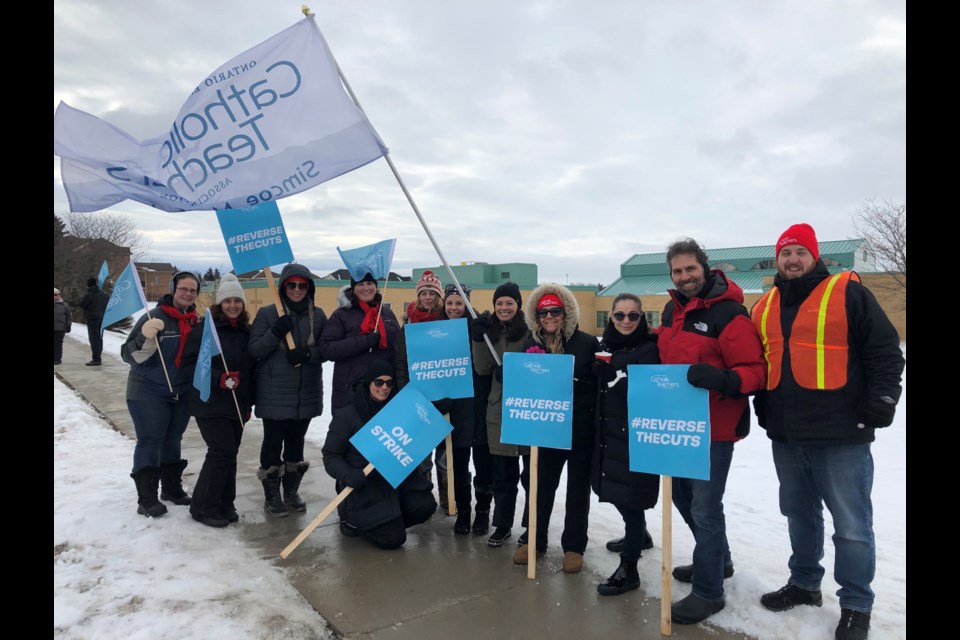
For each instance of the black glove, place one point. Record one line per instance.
(604, 372)
(355, 478)
(298, 356)
(760, 408)
(282, 326)
(373, 339)
(877, 412)
(498, 373)
(707, 376)
(481, 324)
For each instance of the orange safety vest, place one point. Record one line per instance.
(818, 339)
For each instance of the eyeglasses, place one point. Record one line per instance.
(293, 286)
(191, 292)
(556, 312)
(380, 383)
(619, 316)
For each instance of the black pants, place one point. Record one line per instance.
(96, 341)
(635, 523)
(282, 441)
(216, 486)
(58, 345)
(416, 507)
(550, 468)
(482, 476)
(506, 477)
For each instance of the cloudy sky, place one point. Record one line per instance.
(568, 134)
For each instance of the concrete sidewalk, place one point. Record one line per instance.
(437, 585)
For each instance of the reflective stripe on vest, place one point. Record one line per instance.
(818, 347)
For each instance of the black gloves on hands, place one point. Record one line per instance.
(282, 326)
(603, 371)
(707, 376)
(878, 412)
(373, 339)
(355, 478)
(498, 373)
(298, 356)
(481, 324)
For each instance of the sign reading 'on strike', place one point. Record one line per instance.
(255, 237)
(537, 400)
(669, 422)
(401, 435)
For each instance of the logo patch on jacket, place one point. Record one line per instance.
(700, 326)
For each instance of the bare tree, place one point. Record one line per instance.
(883, 225)
(113, 227)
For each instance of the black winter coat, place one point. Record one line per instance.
(610, 473)
(376, 501)
(234, 341)
(94, 303)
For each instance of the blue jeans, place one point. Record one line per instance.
(700, 502)
(842, 477)
(159, 423)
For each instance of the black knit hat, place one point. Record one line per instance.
(367, 277)
(509, 290)
(91, 282)
(376, 369)
(451, 289)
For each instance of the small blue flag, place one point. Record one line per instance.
(209, 349)
(102, 274)
(126, 298)
(374, 259)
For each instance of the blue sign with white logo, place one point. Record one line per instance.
(669, 422)
(255, 237)
(401, 435)
(537, 400)
(438, 358)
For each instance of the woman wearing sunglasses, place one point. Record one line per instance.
(552, 316)
(626, 341)
(289, 390)
(374, 510)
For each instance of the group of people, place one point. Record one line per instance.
(816, 353)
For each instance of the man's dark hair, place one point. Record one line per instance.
(688, 246)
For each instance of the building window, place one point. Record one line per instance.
(725, 266)
(602, 318)
(653, 319)
(830, 262)
(764, 264)
(504, 275)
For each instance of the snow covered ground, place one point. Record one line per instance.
(117, 574)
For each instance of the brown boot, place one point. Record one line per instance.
(522, 553)
(572, 562)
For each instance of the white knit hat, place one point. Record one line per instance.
(230, 288)
(56, 291)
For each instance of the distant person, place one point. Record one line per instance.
(362, 329)
(835, 367)
(553, 316)
(157, 394)
(374, 510)
(706, 326)
(62, 322)
(221, 417)
(94, 304)
(508, 332)
(289, 390)
(626, 341)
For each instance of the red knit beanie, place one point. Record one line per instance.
(801, 234)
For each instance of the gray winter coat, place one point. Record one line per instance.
(62, 317)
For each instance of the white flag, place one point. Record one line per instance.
(270, 123)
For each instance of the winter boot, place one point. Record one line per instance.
(693, 609)
(461, 493)
(291, 483)
(273, 503)
(854, 625)
(229, 513)
(170, 487)
(790, 596)
(625, 578)
(148, 481)
(481, 522)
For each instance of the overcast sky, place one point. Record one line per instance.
(568, 134)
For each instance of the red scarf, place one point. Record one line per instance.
(416, 314)
(185, 322)
(370, 322)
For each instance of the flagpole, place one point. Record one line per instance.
(160, 355)
(416, 210)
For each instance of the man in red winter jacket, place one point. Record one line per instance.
(706, 326)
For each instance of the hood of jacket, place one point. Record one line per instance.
(571, 309)
(301, 271)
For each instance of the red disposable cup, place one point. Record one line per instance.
(606, 356)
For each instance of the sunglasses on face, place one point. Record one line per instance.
(380, 383)
(293, 286)
(555, 312)
(619, 316)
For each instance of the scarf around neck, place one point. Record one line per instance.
(185, 321)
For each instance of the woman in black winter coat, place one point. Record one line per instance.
(552, 314)
(627, 341)
(222, 416)
(289, 386)
(374, 510)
